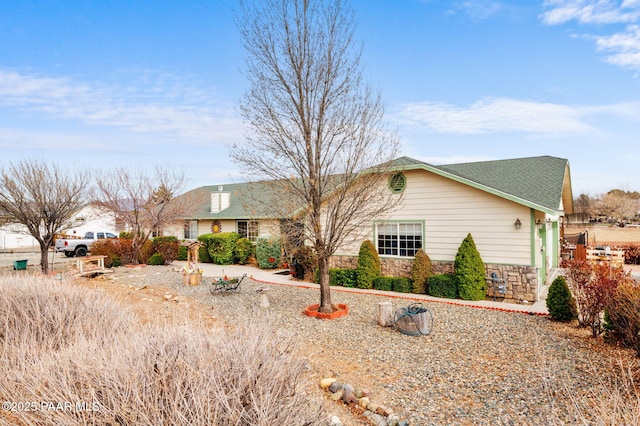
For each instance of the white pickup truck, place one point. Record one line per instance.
(80, 247)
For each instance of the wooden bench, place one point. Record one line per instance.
(89, 265)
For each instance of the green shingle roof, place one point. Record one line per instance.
(538, 182)
(247, 201)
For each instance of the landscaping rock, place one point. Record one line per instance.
(337, 396)
(325, 383)
(335, 387)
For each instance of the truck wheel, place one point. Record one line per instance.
(81, 251)
(68, 253)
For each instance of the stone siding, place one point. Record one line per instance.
(521, 281)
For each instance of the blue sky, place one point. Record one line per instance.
(119, 83)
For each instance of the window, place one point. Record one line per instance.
(191, 230)
(399, 239)
(248, 229)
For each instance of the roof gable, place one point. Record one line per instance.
(542, 182)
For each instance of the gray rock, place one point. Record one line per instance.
(335, 421)
(335, 387)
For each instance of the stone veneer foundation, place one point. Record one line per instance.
(521, 280)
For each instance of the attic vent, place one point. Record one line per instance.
(397, 183)
(219, 201)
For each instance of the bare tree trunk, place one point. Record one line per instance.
(325, 289)
(44, 257)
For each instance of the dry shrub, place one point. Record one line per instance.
(187, 375)
(624, 314)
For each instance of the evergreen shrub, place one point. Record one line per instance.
(420, 272)
(268, 252)
(560, 302)
(402, 285)
(244, 251)
(182, 253)
(368, 265)
(383, 283)
(156, 259)
(221, 247)
(470, 272)
(344, 277)
(203, 252)
(167, 247)
(443, 285)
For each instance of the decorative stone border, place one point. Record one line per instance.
(312, 311)
(377, 414)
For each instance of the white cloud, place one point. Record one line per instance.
(501, 115)
(590, 11)
(479, 10)
(621, 47)
(160, 104)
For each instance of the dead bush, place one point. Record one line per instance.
(178, 375)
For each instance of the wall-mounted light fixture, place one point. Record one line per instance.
(517, 223)
(539, 223)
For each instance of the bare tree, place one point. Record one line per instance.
(317, 130)
(43, 198)
(141, 201)
(617, 205)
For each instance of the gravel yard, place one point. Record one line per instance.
(477, 366)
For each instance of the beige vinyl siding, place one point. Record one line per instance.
(449, 211)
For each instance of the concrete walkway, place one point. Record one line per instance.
(276, 276)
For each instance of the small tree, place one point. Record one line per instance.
(469, 271)
(560, 302)
(593, 286)
(43, 198)
(143, 202)
(420, 272)
(368, 265)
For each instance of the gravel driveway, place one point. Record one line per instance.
(477, 366)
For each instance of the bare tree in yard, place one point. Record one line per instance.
(43, 198)
(143, 202)
(316, 130)
(617, 204)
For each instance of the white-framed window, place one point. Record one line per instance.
(248, 229)
(402, 239)
(190, 230)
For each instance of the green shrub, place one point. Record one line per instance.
(203, 252)
(243, 251)
(368, 265)
(221, 247)
(156, 259)
(145, 252)
(383, 283)
(470, 272)
(420, 272)
(168, 247)
(268, 253)
(343, 277)
(560, 302)
(182, 253)
(443, 285)
(402, 285)
(126, 235)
